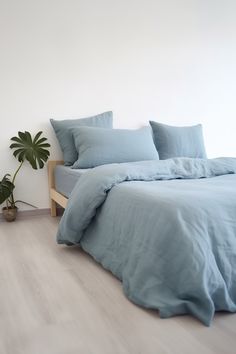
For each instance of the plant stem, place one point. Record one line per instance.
(18, 169)
(12, 201)
(21, 201)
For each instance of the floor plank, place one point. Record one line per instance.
(58, 300)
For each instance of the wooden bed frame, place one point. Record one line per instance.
(55, 197)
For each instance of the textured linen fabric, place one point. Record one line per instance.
(178, 141)
(63, 132)
(66, 178)
(104, 146)
(166, 229)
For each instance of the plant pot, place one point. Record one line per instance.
(9, 214)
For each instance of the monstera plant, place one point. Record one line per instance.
(25, 149)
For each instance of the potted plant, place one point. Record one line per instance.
(26, 148)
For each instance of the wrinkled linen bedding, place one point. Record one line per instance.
(166, 229)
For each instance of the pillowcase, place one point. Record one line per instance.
(178, 141)
(63, 132)
(98, 146)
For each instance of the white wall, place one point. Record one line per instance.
(173, 61)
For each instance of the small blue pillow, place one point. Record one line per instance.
(178, 141)
(98, 146)
(63, 132)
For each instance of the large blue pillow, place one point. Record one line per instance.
(178, 141)
(63, 132)
(98, 146)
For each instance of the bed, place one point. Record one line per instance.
(166, 229)
(151, 208)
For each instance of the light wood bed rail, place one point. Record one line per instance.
(55, 197)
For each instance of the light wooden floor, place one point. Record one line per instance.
(57, 300)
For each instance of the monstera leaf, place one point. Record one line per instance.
(34, 150)
(6, 188)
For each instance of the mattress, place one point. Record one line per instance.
(66, 178)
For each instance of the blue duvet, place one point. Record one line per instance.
(166, 229)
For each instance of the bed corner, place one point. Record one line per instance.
(54, 196)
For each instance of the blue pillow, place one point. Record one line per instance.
(178, 141)
(98, 146)
(63, 132)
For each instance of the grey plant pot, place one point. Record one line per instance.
(9, 214)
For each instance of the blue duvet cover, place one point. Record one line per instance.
(166, 229)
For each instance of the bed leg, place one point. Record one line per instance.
(53, 207)
(53, 195)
